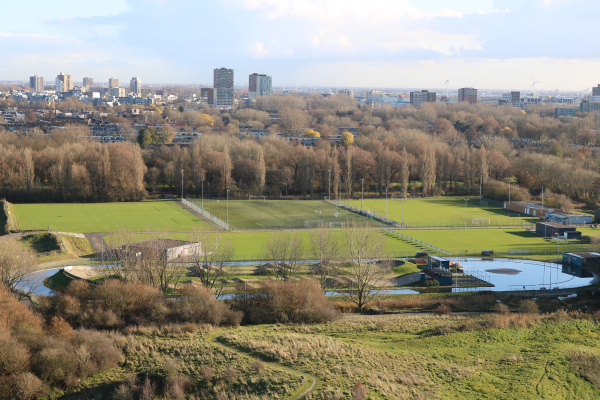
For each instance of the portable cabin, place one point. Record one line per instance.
(582, 259)
(570, 219)
(435, 262)
(530, 208)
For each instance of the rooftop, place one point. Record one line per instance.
(162, 243)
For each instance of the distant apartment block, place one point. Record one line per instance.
(223, 87)
(36, 83)
(113, 82)
(118, 92)
(424, 96)
(374, 93)
(88, 82)
(259, 85)
(346, 92)
(135, 86)
(515, 97)
(467, 94)
(64, 83)
(208, 94)
(596, 91)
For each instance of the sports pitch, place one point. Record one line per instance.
(107, 217)
(442, 211)
(282, 214)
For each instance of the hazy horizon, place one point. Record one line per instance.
(504, 44)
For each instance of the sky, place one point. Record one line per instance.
(495, 44)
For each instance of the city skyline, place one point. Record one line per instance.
(503, 44)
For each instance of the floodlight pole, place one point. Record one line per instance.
(227, 209)
(544, 219)
(203, 194)
(181, 184)
(466, 212)
(329, 186)
(386, 196)
(362, 196)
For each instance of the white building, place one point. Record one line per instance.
(135, 86)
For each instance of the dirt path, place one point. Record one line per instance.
(245, 354)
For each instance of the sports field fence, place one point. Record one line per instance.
(208, 214)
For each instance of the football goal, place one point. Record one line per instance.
(480, 221)
(257, 198)
(317, 211)
(313, 223)
(336, 225)
(398, 196)
(337, 214)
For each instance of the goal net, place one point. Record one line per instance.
(398, 196)
(337, 225)
(257, 198)
(317, 211)
(313, 223)
(480, 221)
(337, 214)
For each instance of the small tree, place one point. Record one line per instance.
(210, 260)
(365, 249)
(324, 248)
(347, 139)
(286, 251)
(16, 265)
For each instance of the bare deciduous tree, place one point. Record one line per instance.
(16, 264)
(210, 260)
(286, 251)
(324, 247)
(365, 249)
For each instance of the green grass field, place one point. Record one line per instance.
(442, 211)
(107, 217)
(280, 214)
(475, 240)
(251, 245)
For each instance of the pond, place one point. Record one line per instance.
(504, 274)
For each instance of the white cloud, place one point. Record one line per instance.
(31, 35)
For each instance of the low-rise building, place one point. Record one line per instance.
(165, 248)
(569, 219)
(530, 208)
(550, 229)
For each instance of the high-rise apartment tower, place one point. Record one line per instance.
(223, 85)
(64, 82)
(135, 86)
(113, 82)
(260, 85)
(36, 83)
(88, 82)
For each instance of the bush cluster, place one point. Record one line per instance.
(117, 304)
(35, 355)
(299, 301)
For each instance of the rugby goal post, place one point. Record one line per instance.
(336, 225)
(313, 223)
(258, 198)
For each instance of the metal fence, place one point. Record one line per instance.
(208, 215)
(371, 214)
(417, 241)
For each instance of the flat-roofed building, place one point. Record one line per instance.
(467, 94)
(260, 85)
(424, 96)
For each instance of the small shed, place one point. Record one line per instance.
(581, 259)
(443, 277)
(435, 262)
(570, 219)
(550, 229)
